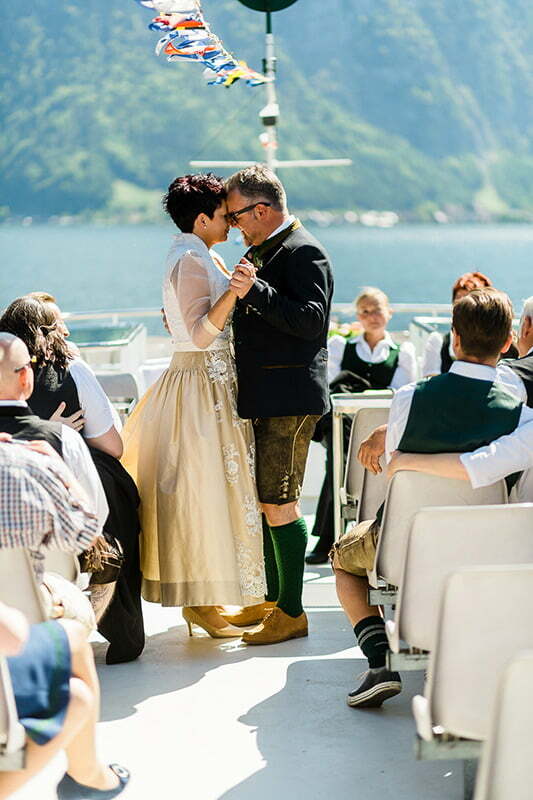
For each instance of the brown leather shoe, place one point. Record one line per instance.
(276, 627)
(249, 615)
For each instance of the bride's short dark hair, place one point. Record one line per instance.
(191, 195)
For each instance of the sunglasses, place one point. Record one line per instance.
(232, 216)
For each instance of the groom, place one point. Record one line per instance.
(280, 329)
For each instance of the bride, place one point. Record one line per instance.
(190, 454)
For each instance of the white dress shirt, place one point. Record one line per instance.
(508, 454)
(405, 372)
(285, 224)
(431, 365)
(401, 405)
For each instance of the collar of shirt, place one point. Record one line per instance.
(290, 219)
(528, 352)
(380, 351)
(21, 403)
(481, 372)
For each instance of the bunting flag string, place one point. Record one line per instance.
(188, 37)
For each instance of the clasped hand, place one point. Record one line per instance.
(243, 278)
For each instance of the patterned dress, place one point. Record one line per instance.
(191, 455)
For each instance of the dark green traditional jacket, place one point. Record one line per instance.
(452, 413)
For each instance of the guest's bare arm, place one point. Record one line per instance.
(110, 442)
(445, 465)
(372, 449)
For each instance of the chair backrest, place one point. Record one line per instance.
(365, 490)
(443, 540)
(122, 388)
(407, 493)
(119, 385)
(63, 563)
(484, 621)
(12, 734)
(505, 766)
(18, 587)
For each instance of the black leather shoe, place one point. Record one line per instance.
(316, 558)
(378, 685)
(69, 789)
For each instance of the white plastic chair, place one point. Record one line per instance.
(363, 492)
(62, 563)
(408, 492)
(122, 389)
(18, 587)
(484, 621)
(443, 540)
(348, 405)
(12, 735)
(505, 766)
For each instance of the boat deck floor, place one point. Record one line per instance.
(203, 718)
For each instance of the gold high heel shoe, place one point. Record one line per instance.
(194, 618)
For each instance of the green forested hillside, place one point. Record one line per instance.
(432, 99)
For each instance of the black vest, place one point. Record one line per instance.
(378, 375)
(452, 413)
(52, 387)
(445, 358)
(22, 423)
(523, 367)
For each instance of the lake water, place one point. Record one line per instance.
(98, 267)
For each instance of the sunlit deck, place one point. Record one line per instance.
(204, 719)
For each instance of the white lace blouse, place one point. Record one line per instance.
(193, 282)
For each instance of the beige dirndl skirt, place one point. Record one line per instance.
(193, 460)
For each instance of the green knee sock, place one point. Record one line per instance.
(289, 546)
(271, 568)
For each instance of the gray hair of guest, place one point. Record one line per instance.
(259, 183)
(527, 310)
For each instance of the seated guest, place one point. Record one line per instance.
(370, 360)
(464, 408)
(522, 367)
(16, 418)
(46, 297)
(57, 697)
(439, 354)
(60, 378)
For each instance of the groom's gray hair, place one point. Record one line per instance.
(259, 182)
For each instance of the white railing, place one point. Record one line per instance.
(115, 315)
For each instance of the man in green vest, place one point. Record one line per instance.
(456, 411)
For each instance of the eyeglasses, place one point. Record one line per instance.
(232, 215)
(26, 365)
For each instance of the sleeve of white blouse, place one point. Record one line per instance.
(431, 362)
(406, 371)
(191, 284)
(336, 345)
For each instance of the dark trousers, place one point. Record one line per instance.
(324, 526)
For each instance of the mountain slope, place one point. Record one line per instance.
(430, 98)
